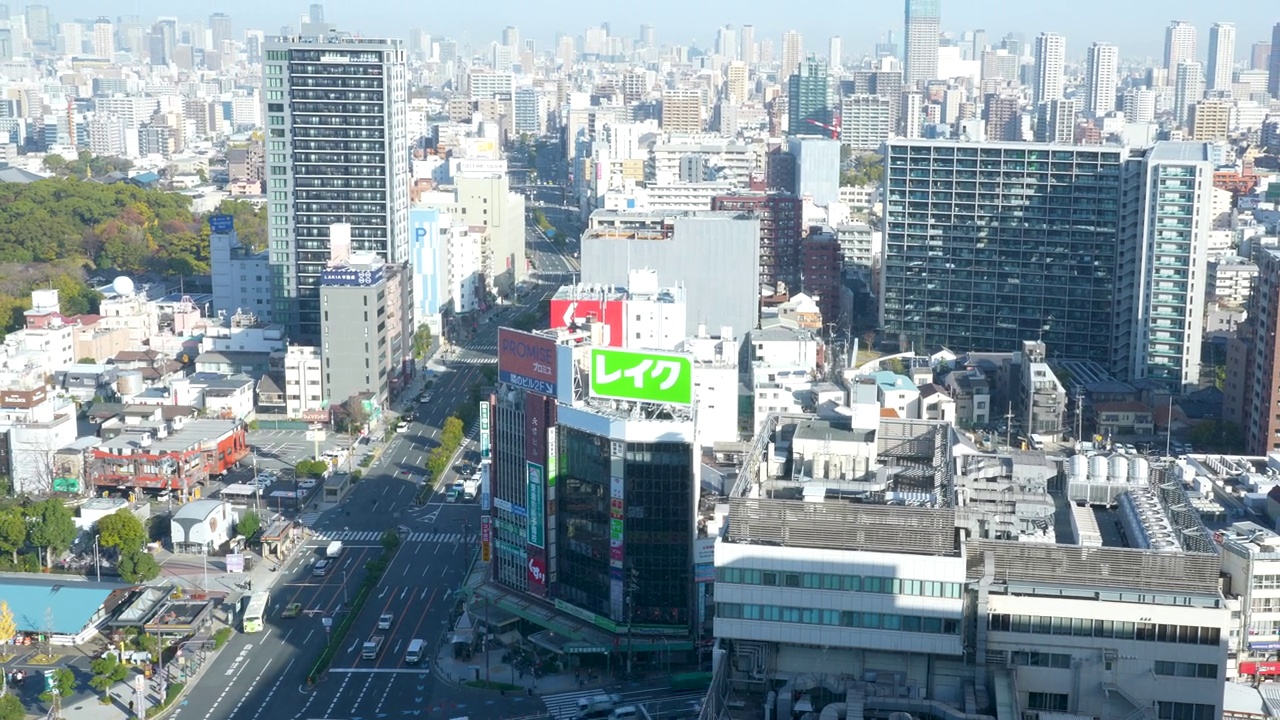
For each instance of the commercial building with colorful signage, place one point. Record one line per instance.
(594, 491)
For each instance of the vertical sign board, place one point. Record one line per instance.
(616, 552)
(486, 496)
(484, 428)
(553, 471)
(486, 537)
(704, 560)
(537, 508)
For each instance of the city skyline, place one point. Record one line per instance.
(1139, 36)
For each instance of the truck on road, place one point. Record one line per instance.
(371, 648)
(470, 489)
(334, 549)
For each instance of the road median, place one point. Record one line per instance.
(374, 569)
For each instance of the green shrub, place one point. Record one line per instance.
(221, 637)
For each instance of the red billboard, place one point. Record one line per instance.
(537, 568)
(527, 361)
(1259, 668)
(609, 312)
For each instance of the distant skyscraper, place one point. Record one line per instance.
(1222, 56)
(1051, 53)
(835, 53)
(220, 29)
(511, 36)
(104, 38)
(979, 44)
(747, 41)
(324, 193)
(1188, 89)
(1273, 67)
(40, 27)
(648, 38)
(792, 53)
(316, 13)
(727, 43)
(923, 24)
(1179, 44)
(809, 99)
(1100, 79)
(1260, 55)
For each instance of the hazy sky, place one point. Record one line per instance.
(1137, 27)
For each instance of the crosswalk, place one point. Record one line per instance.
(309, 518)
(371, 535)
(474, 360)
(564, 706)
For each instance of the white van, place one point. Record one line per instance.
(626, 712)
(413, 655)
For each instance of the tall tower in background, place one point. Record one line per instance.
(1273, 66)
(316, 13)
(1101, 80)
(104, 38)
(1050, 56)
(1188, 89)
(922, 27)
(364, 124)
(1179, 45)
(792, 53)
(747, 40)
(1222, 56)
(835, 53)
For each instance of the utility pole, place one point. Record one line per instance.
(1008, 426)
(1168, 428)
(632, 585)
(1079, 414)
(97, 565)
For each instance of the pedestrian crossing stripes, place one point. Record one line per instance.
(309, 519)
(564, 706)
(371, 535)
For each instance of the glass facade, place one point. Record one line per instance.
(988, 245)
(656, 532)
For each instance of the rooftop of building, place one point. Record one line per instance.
(1179, 151)
(889, 381)
(782, 332)
(192, 435)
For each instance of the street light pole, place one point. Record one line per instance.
(97, 565)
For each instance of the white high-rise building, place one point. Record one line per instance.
(920, 47)
(1222, 56)
(1188, 89)
(727, 43)
(104, 38)
(312, 85)
(1100, 79)
(747, 44)
(835, 50)
(1050, 55)
(1139, 105)
(71, 38)
(1179, 44)
(792, 53)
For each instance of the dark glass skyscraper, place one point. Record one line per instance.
(809, 99)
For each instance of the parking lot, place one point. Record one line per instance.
(284, 448)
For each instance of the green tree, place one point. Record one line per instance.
(8, 628)
(136, 566)
(122, 531)
(390, 540)
(64, 685)
(248, 524)
(53, 162)
(51, 527)
(11, 708)
(107, 671)
(13, 531)
(421, 342)
(1217, 435)
(311, 468)
(437, 461)
(451, 435)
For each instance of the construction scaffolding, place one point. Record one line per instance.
(843, 526)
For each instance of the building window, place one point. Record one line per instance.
(1051, 702)
(1184, 711)
(1170, 668)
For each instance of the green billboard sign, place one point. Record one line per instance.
(638, 375)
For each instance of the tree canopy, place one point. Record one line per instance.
(122, 530)
(53, 231)
(52, 527)
(136, 566)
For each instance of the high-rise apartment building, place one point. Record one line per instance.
(337, 151)
(866, 121)
(809, 99)
(727, 42)
(1053, 254)
(1253, 361)
(682, 111)
(1139, 105)
(1004, 118)
(792, 53)
(1273, 66)
(1050, 54)
(104, 38)
(1222, 56)
(1188, 89)
(1179, 44)
(737, 75)
(922, 27)
(747, 41)
(1165, 228)
(1210, 120)
(835, 53)
(1101, 79)
(1055, 121)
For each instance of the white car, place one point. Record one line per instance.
(306, 483)
(402, 427)
(385, 620)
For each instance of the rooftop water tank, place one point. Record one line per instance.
(1119, 469)
(1098, 468)
(1139, 471)
(130, 383)
(1079, 468)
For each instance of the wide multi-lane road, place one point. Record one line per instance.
(264, 676)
